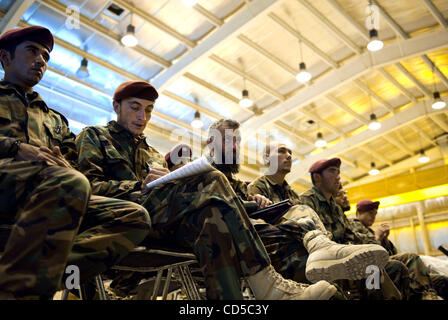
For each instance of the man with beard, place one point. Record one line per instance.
(200, 213)
(298, 249)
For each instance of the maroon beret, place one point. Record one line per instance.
(178, 150)
(323, 164)
(37, 34)
(367, 205)
(137, 89)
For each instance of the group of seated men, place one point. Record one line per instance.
(84, 201)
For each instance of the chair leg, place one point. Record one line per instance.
(64, 295)
(167, 283)
(157, 284)
(195, 291)
(100, 287)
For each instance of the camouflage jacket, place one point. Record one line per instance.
(271, 190)
(368, 236)
(114, 161)
(27, 118)
(331, 215)
(240, 188)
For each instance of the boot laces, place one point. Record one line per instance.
(286, 284)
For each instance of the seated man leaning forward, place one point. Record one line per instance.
(422, 280)
(55, 220)
(201, 213)
(292, 245)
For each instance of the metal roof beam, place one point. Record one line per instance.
(351, 70)
(244, 18)
(14, 14)
(322, 55)
(436, 13)
(100, 29)
(392, 123)
(330, 26)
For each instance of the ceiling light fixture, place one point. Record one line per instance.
(303, 75)
(197, 122)
(438, 102)
(423, 157)
(82, 71)
(320, 142)
(245, 101)
(375, 43)
(129, 39)
(374, 124)
(373, 170)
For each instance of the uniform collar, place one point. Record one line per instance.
(273, 183)
(32, 98)
(320, 195)
(117, 128)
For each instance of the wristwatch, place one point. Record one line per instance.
(15, 148)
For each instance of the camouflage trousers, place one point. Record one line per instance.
(47, 206)
(418, 272)
(204, 214)
(394, 284)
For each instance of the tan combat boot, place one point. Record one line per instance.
(268, 284)
(331, 261)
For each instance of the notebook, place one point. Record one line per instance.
(200, 165)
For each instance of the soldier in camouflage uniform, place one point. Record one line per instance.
(287, 241)
(42, 196)
(201, 213)
(326, 182)
(422, 280)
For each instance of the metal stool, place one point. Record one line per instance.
(176, 263)
(155, 260)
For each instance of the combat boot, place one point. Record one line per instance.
(268, 284)
(331, 261)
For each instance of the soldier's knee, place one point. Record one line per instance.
(140, 216)
(76, 182)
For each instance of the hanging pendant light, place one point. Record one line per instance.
(375, 43)
(197, 122)
(82, 71)
(320, 142)
(374, 124)
(129, 39)
(303, 75)
(373, 170)
(438, 103)
(245, 102)
(423, 157)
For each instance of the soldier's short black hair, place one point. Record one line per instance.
(11, 48)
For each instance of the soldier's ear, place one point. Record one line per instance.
(5, 57)
(117, 106)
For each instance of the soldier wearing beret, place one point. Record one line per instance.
(422, 281)
(201, 213)
(288, 242)
(43, 197)
(178, 156)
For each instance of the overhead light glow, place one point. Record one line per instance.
(129, 39)
(245, 102)
(374, 44)
(303, 75)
